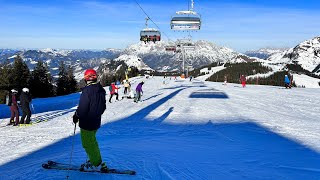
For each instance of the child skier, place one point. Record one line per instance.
(126, 85)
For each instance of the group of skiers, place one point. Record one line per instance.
(91, 106)
(14, 104)
(128, 92)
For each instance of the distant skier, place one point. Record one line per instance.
(225, 80)
(243, 80)
(139, 92)
(91, 106)
(126, 85)
(190, 78)
(287, 81)
(14, 109)
(113, 91)
(25, 99)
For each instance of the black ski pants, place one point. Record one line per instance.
(117, 96)
(26, 112)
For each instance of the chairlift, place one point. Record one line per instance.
(171, 48)
(186, 44)
(186, 20)
(149, 34)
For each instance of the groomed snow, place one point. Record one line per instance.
(180, 130)
(306, 81)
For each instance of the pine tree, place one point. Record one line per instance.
(72, 83)
(5, 85)
(40, 77)
(5, 76)
(66, 82)
(19, 77)
(62, 80)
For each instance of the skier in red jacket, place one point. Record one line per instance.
(113, 91)
(243, 80)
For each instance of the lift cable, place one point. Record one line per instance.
(151, 20)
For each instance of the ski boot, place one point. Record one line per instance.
(86, 166)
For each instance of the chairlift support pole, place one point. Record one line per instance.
(192, 5)
(183, 60)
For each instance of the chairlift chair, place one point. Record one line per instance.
(185, 23)
(186, 20)
(171, 48)
(150, 34)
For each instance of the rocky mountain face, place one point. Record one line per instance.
(204, 53)
(305, 54)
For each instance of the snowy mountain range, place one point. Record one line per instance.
(78, 59)
(306, 54)
(264, 53)
(155, 55)
(143, 56)
(7, 52)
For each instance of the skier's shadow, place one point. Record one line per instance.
(151, 97)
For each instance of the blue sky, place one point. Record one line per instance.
(84, 24)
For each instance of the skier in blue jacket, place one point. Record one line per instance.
(91, 106)
(287, 81)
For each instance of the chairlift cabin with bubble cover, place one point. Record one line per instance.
(149, 34)
(186, 20)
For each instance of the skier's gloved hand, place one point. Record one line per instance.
(75, 118)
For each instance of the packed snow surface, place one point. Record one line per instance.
(180, 130)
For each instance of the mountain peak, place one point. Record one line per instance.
(306, 54)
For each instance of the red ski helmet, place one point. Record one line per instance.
(90, 75)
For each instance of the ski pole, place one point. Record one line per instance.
(34, 112)
(74, 132)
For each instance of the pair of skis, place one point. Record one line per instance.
(64, 166)
(32, 123)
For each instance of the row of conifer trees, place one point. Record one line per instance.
(17, 75)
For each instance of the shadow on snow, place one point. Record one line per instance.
(209, 93)
(159, 150)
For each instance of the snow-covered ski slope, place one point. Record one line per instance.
(180, 130)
